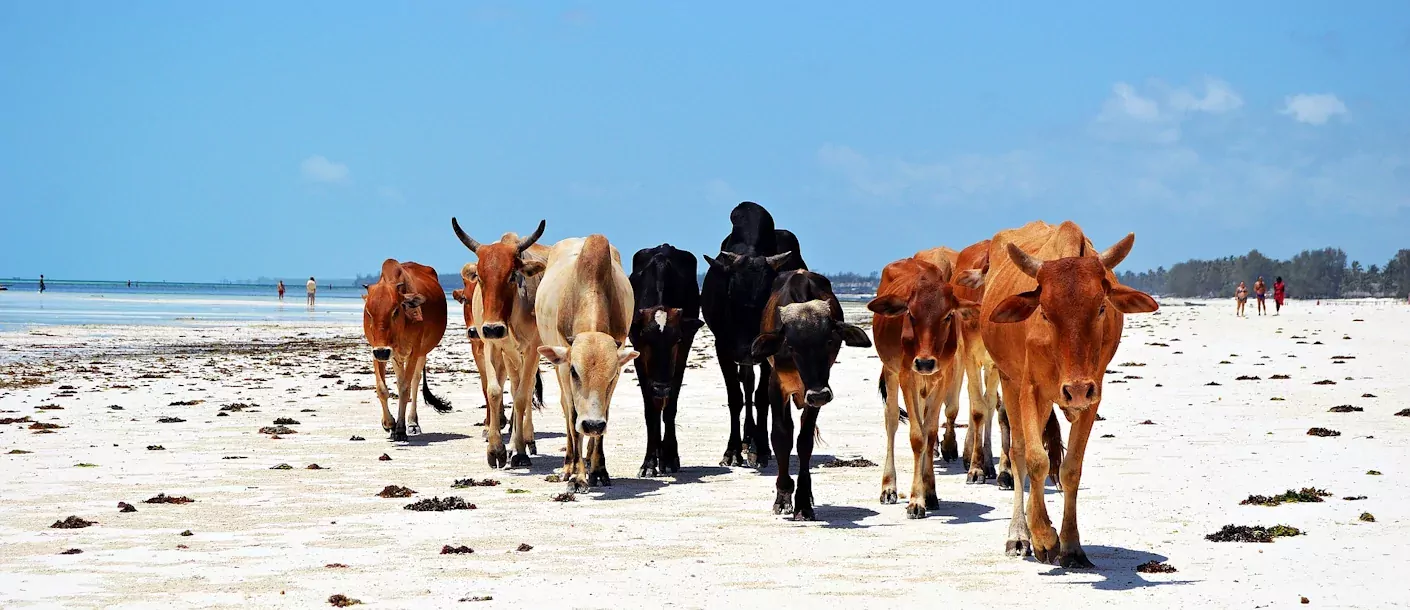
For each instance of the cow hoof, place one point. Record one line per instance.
(783, 504)
(888, 496)
(948, 450)
(398, 436)
(976, 476)
(732, 458)
(1076, 560)
(520, 460)
(386, 427)
(1048, 555)
(915, 511)
(1018, 548)
(648, 471)
(764, 459)
(1005, 480)
(413, 429)
(931, 501)
(599, 479)
(804, 514)
(671, 465)
(577, 486)
(965, 462)
(533, 448)
(497, 457)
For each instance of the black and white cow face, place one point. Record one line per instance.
(808, 334)
(659, 333)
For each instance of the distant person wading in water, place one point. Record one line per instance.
(41, 283)
(281, 290)
(1260, 290)
(1241, 296)
(1280, 291)
(312, 288)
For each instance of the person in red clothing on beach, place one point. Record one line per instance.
(1280, 291)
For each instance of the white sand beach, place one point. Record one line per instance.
(263, 538)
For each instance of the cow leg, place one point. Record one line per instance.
(890, 388)
(991, 402)
(413, 421)
(949, 448)
(597, 459)
(495, 369)
(759, 441)
(1007, 467)
(747, 391)
(404, 378)
(535, 394)
(803, 498)
(651, 465)
(1070, 553)
(379, 369)
(976, 438)
(670, 454)
(921, 443)
(1032, 418)
(735, 398)
(573, 474)
(1018, 543)
(783, 447)
(521, 431)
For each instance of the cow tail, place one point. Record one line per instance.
(538, 391)
(1052, 440)
(441, 405)
(881, 389)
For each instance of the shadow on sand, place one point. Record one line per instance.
(1116, 569)
(426, 438)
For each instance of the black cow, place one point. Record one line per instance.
(802, 331)
(664, 324)
(737, 285)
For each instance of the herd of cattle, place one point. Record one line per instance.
(940, 317)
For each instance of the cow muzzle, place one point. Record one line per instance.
(818, 397)
(1080, 394)
(382, 354)
(660, 389)
(494, 330)
(593, 427)
(924, 366)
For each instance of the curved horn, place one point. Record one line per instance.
(1118, 251)
(1027, 264)
(464, 239)
(778, 260)
(728, 258)
(529, 241)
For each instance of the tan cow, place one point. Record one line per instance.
(981, 375)
(508, 276)
(584, 308)
(1055, 357)
(403, 319)
(917, 336)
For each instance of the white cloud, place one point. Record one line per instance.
(1218, 98)
(1313, 108)
(1156, 114)
(1126, 102)
(319, 169)
(946, 181)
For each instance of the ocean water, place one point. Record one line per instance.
(73, 303)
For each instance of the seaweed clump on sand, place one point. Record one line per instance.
(1322, 432)
(286, 421)
(170, 420)
(73, 522)
(342, 601)
(162, 498)
(565, 497)
(463, 483)
(1252, 533)
(124, 507)
(277, 430)
(853, 463)
(1155, 567)
(456, 550)
(1345, 409)
(1306, 494)
(440, 504)
(395, 491)
(1403, 413)
(1367, 517)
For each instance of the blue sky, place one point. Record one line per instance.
(206, 141)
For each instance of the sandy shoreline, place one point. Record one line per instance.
(705, 538)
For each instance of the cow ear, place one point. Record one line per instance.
(766, 345)
(459, 295)
(1130, 300)
(412, 300)
(1016, 308)
(952, 343)
(366, 286)
(555, 355)
(887, 306)
(966, 308)
(853, 336)
(532, 268)
(974, 278)
(691, 325)
(625, 355)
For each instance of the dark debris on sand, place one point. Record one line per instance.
(384, 458)
(525, 547)
(1252, 533)
(155, 448)
(1155, 567)
(124, 507)
(286, 421)
(456, 550)
(1322, 432)
(73, 522)
(1403, 413)
(1280, 377)
(185, 403)
(187, 533)
(440, 504)
(1354, 498)
(1248, 378)
(1367, 517)
(395, 491)
(1306, 494)
(1345, 409)
(71, 552)
(162, 498)
(170, 420)
(463, 483)
(853, 463)
(342, 601)
(277, 430)
(1324, 382)
(565, 497)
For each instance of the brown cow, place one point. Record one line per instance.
(917, 336)
(477, 346)
(1058, 356)
(508, 275)
(403, 319)
(585, 312)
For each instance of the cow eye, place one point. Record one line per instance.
(1101, 311)
(574, 372)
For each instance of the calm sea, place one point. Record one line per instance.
(68, 302)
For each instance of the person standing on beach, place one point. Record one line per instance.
(41, 283)
(312, 288)
(1241, 296)
(1260, 290)
(1280, 291)
(281, 290)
